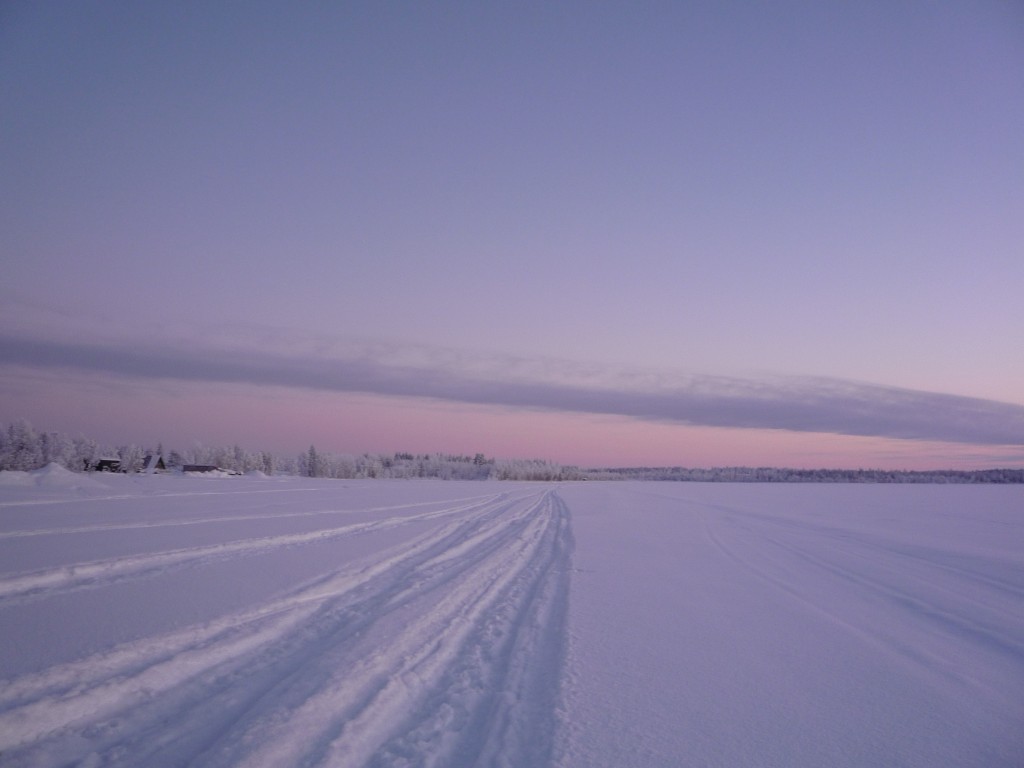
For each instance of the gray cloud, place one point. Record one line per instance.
(803, 404)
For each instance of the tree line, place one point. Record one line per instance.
(24, 448)
(784, 475)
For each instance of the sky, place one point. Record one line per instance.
(607, 234)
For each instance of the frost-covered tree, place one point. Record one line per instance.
(238, 459)
(174, 460)
(131, 458)
(84, 452)
(22, 449)
(311, 464)
(57, 448)
(266, 463)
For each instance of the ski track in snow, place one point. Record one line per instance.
(934, 598)
(44, 583)
(107, 527)
(134, 497)
(445, 650)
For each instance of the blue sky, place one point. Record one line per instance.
(788, 198)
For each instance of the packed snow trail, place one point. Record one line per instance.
(98, 573)
(445, 649)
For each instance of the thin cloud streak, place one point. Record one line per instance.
(801, 404)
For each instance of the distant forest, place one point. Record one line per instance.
(23, 448)
(783, 475)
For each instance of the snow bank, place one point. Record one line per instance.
(53, 476)
(13, 478)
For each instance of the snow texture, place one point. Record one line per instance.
(281, 621)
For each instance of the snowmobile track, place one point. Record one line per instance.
(447, 650)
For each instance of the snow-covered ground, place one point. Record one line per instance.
(197, 621)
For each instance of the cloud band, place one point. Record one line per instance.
(803, 404)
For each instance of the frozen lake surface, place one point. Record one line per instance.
(198, 621)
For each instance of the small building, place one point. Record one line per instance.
(200, 468)
(209, 469)
(153, 463)
(107, 464)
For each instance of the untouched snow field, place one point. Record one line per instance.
(253, 621)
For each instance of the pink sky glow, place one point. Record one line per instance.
(783, 234)
(287, 421)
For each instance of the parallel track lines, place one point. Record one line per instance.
(449, 647)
